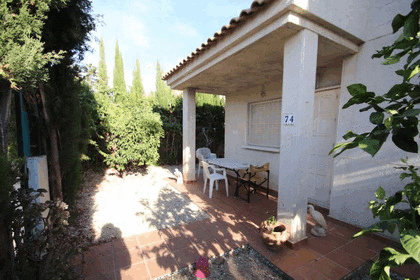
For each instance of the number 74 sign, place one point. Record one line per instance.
(288, 119)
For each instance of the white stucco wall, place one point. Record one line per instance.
(236, 122)
(365, 19)
(356, 174)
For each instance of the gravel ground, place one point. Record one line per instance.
(243, 263)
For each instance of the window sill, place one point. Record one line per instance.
(262, 149)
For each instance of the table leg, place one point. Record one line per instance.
(237, 184)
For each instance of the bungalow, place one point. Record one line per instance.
(284, 66)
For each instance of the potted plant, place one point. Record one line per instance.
(273, 233)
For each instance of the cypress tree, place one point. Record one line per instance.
(163, 93)
(102, 75)
(137, 88)
(118, 81)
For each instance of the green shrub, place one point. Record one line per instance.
(133, 131)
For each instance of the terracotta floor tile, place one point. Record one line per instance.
(197, 234)
(343, 232)
(129, 242)
(176, 231)
(358, 251)
(347, 261)
(305, 273)
(186, 256)
(177, 243)
(370, 243)
(154, 250)
(138, 271)
(328, 268)
(161, 266)
(128, 258)
(228, 243)
(217, 230)
(325, 245)
(149, 237)
(290, 260)
(210, 248)
(120, 246)
(411, 271)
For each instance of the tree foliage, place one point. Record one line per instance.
(210, 128)
(137, 87)
(103, 74)
(133, 132)
(163, 94)
(118, 78)
(23, 58)
(394, 113)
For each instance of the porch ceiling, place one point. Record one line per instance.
(260, 63)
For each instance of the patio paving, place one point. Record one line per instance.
(233, 222)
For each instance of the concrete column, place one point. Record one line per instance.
(300, 56)
(188, 135)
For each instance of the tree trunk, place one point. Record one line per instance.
(5, 100)
(6, 249)
(54, 160)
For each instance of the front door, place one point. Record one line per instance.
(324, 133)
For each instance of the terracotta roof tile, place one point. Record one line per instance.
(256, 6)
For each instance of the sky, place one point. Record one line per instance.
(156, 30)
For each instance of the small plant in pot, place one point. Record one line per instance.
(273, 233)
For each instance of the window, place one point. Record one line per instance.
(264, 120)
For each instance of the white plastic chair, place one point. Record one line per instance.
(203, 154)
(210, 172)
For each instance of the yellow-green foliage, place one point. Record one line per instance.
(133, 131)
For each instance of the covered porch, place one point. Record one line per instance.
(273, 55)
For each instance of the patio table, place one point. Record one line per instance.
(233, 165)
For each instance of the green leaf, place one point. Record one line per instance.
(395, 258)
(349, 135)
(380, 193)
(398, 90)
(392, 112)
(379, 99)
(356, 89)
(366, 108)
(374, 228)
(398, 22)
(413, 72)
(404, 175)
(370, 145)
(388, 122)
(404, 141)
(379, 270)
(376, 117)
(391, 60)
(411, 25)
(410, 240)
(411, 113)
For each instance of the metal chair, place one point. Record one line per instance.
(203, 154)
(255, 176)
(211, 173)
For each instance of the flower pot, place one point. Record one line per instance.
(274, 235)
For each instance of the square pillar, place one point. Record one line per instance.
(299, 76)
(188, 135)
